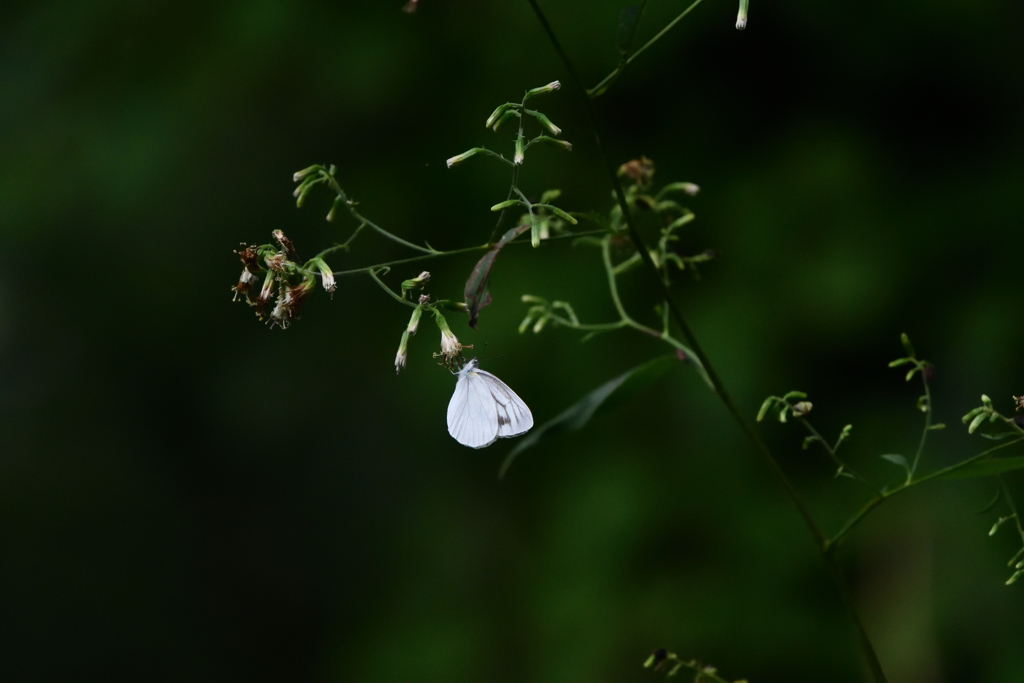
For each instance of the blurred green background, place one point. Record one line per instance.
(188, 495)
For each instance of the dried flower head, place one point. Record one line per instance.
(276, 262)
(640, 171)
(289, 300)
(244, 286)
(286, 244)
(265, 294)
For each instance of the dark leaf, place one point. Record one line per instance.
(985, 468)
(1000, 436)
(476, 286)
(610, 394)
(629, 20)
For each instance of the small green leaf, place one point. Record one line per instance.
(845, 434)
(998, 437)
(978, 419)
(610, 394)
(907, 346)
(985, 468)
(782, 414)
(897, 459)
(1013, 579)
(940, 425)
(900, 361)
(913, 371)
(764, 408)
(629, 20)
(794, 394)
(999, 523)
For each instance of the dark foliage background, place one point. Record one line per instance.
(187, 495)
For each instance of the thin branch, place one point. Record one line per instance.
(454, 252)
(373, 274)
(355, 214)
(607, 81)
(927, 419)
(834, 541)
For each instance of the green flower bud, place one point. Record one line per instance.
(546, 123)
(496, 115)
(299, 175)
(544, 89)
(459, 158)
(505, 204)
(741, 16)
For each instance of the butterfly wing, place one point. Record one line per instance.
(514, 417)
(473, 412)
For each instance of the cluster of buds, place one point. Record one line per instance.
(283, 276)
(451, 348)
(511, 110)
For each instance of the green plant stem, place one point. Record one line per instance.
(373, 274)
(365, 221)
(1013, 508)
(454, 252)
(927, 421)
(834, 541)
(812, 526)
(344, 245)
(606, 82)
(832, 452)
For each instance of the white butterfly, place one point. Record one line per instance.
(483, 408)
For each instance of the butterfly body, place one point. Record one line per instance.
(483, 409)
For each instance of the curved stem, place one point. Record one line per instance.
(373, 274)
(365, 221)
(812, 526)
(344, 245)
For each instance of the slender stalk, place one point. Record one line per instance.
(834, 541)
(606, 82)
(373, 274)
(454, 252)
(773, 465)
(832, 453)
(1013, 508)
(344, 245)
(927, 421)
(365, 221)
